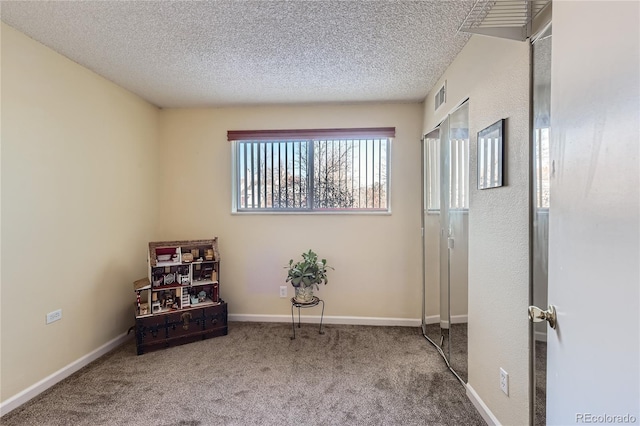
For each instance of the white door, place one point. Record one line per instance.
(593, 360)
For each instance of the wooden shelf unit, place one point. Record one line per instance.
(182, 290)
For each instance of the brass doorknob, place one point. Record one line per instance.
(538, 315)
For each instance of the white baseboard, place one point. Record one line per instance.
(44, 384)
(455, 319)
(482, 408)
(459, 319)
(315, 319)
(432, 319)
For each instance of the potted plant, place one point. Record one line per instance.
(306, 274)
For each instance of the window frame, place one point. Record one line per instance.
(542, 169)
(310, 136)
(432, 177)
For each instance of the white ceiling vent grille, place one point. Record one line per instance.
(503, 18)
(441, 96)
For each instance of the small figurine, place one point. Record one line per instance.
(158, 278)
(209, 255)
(144, 309)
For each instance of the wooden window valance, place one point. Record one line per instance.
(297, 134)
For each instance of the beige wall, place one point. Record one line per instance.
(494, 74)
(79, 183)
(376, 257)
(1, 60)
(85, 185)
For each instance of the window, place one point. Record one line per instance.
(458, 161)
(447, 163)
(458, 174)
(542, 167)
(311, 170)
(457, 178)
(432, 151)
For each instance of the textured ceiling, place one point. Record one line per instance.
(214, 53)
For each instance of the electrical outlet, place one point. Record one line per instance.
(283, 291)
(504, 381)
(54, 316)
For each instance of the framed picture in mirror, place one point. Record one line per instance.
(491, 156)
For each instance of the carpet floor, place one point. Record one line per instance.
(541, 384)
(257, 375)
(456, 336)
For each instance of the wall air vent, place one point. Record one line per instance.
(441, 96)
(510, 19)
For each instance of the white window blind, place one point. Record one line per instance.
(433, 174)
(312, 170)
(458, 174)
(542, 167)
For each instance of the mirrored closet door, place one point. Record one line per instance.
(541, 63)
(445, 238)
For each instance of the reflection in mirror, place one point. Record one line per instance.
(490, 156)
(457, 228)
(444, 233)
(430, 243)
(541, 62)
(445, 238)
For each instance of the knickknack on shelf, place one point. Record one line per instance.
(179, 301)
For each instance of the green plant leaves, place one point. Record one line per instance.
(308, 271)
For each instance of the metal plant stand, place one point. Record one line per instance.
(295, 304)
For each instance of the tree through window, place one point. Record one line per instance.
(312, 170)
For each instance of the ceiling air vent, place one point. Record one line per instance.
(441, 95)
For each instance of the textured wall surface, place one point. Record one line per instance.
(376, 257)
(78, 190)
(494, 75)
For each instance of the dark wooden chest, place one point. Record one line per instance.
(179, 327)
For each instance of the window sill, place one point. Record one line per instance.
(315, 212)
